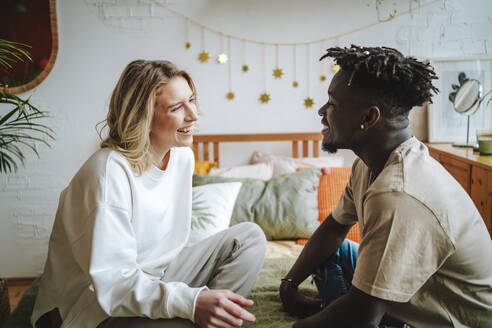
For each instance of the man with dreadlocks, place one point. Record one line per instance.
(424, 256)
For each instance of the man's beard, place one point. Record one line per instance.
(329, 147)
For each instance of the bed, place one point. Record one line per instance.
(284, 247)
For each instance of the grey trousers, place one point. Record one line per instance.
(230, 259)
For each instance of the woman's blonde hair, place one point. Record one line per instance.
(131, 109)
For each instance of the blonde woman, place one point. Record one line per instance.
(117, 255)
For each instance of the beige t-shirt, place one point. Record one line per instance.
(423, 242)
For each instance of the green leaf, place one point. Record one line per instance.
(8, 115)
(462, 78)
(20, 126)
(199, 216)
(6, 163)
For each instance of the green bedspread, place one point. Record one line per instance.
(267, 307)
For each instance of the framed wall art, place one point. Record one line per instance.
(446, 124)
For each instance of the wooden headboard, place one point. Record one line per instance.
(201, 143)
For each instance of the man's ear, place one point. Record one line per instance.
(370, 117)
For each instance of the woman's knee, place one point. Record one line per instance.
(252, 233)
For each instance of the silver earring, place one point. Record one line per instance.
(362, 126)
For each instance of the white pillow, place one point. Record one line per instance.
(212, 209)
(263, 171)
(285, 164)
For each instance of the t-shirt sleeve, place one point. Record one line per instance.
(403, 245)
(345, 211)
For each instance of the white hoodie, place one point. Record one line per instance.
(113, 238)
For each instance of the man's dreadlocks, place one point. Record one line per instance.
(401, 81)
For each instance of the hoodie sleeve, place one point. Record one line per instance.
(108, 253)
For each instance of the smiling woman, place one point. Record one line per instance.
(125, 219)
(34, 24)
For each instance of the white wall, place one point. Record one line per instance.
(99, 37)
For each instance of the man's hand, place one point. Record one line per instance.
(296, 303)
(221, 308)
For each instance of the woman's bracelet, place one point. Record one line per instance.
(290, 282)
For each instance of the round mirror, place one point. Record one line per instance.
(34, 24)
(467, 97)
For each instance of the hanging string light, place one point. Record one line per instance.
(277, 71)
(203, 56)
(308, 101)
(245, 67)
(264, 97)
(188, 43)
(222, 57)
(295, 84)
(230, 95)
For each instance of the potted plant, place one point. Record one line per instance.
(21, 129)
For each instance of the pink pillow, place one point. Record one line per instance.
(263, 171)
(285, 164)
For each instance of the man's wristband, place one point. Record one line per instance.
(290, 282)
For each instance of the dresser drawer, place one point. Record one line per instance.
(481, 194)
(460, 170)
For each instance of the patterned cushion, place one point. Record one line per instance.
(331, 186)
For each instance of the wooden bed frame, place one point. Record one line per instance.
(201, 143)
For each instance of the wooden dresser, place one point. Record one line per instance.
(472, 171)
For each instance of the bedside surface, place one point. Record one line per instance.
(464, 153)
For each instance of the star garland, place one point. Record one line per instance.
(203, 56)
(222, 58)
(308, 101)
(277, 71)
(188, 43)
(244, 67)
(295, 84)
(230, 95)
(265, 96)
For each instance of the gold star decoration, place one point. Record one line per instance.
(335, 67)
(230, 95)
(295, 84)
(187, 45)
(277, 72)
(264, 98)
(245, 68)
(322, 78)
(204, 56)
(222, 58)
(308, 102)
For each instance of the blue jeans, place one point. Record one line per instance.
(334, 278)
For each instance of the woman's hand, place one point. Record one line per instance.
(296, 303)
(221, 308)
